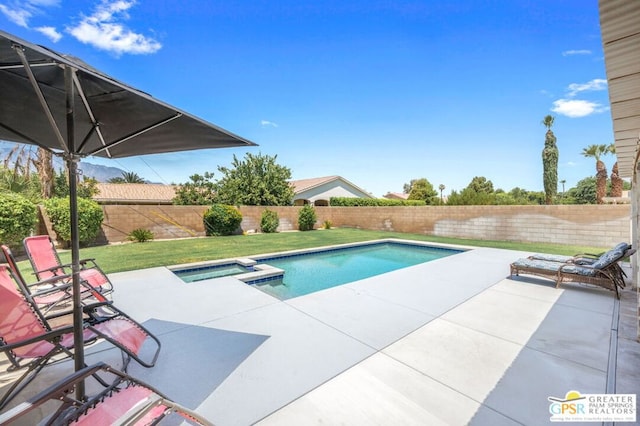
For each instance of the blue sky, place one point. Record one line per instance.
(379, 92)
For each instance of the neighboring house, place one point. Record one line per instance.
(318, 191)
(396, 196)
(134, 193)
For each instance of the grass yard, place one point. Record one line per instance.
(125, 257)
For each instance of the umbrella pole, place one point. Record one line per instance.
(72, 163)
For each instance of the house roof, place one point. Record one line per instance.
(396, 196)
(302, 185)
(621, 43)
(137, 193)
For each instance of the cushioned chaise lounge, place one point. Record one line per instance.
(603, 272)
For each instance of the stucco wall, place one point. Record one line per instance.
(603, 225)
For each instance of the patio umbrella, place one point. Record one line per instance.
(62, 104)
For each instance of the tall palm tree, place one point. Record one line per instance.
(616, 180)
(44, 167)
(549, 161)
(441, 188)
(597, 151)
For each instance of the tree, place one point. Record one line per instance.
(127, 177)
(584, 192)
(597, 151)
(87, 187)
(617, 184)
(199, 192)
(255, 181)
(441, 187)
(421, 189)
(44, 168)
(478, 192)
(550, 161)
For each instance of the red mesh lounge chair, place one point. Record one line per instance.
(126, 401)
(29, 341)
(51, 294)
(46, 264)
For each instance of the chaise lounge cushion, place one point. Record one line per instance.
(545, 265)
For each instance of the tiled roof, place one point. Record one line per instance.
(144, 193)
(305, 184)
(396, 195)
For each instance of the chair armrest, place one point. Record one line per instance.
(49, 336)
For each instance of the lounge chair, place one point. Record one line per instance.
(585, 259)
(51, 294)
(29, 340)
(125, 401)
(46, 263)
(602, 273)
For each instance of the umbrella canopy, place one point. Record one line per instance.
(63, 105)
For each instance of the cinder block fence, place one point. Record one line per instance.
(592, 225)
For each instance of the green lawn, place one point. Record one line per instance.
(125, 257)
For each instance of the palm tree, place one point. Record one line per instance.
(616, 180)
(44, 167)
(550, 161)
(127, 177)
(441, 188)
(597, 151)
(563, 181)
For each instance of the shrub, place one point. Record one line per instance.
(17, 218)
(221, 219)
(269, 221)
(140, 235)
(306, 218)
(374, 202)
(90, 218)
(327, 224)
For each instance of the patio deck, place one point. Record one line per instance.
(453, 341)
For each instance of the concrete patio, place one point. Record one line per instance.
(451, 342)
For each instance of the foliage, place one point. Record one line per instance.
(422, 189)
(140, 235)
(90, 218)
(221, 219)
(584, 192)
(478, 192)
(306, 218)
(86, 188)
(327, 224)
(199, 192)
(127, 177)
(17, 218)
(597, 151)
(269, 221)
(14, 181)
(372, 202)
(550, 157)
(255, 181)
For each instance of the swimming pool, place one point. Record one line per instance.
(310, 272)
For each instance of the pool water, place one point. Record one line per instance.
(205, 273)
(308, 273)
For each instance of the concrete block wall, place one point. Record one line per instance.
(592, 225)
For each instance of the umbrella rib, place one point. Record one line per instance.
(94, 122)
(135, 134)
(47, 111)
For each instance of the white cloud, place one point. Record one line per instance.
(266, 123)
(596, 84)
(104, 30)
(50, 32)
(575, 108)
(576, 52)
(20, 12)
(18, 15)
